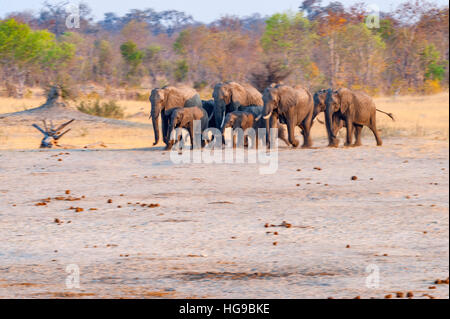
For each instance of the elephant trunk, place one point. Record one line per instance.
(329, 123)
(155, 118)
(219, 113)
(267, 114)
(267, 122)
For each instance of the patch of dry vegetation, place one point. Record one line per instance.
(11, 105)
(416, 116)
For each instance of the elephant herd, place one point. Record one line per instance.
(242, 106)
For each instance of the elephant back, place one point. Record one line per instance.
(194, 101)
(255, 110)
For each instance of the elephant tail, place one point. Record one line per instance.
(388, 114)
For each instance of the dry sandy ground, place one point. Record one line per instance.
(208, 236)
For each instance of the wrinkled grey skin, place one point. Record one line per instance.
(356, 109)
(232, 96)
(320, 106)
(166, 99)
(250, 118)
(293, 106)
(184, 118)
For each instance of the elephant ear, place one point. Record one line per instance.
(161, 95)
(249, 120)
(337, 99)
(244, 120)
(322, 97)
(226, 94)
(227, 119)
(274, 96)
(345, 99)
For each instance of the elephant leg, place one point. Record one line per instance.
(204, 142)
(171, 142)
(165, 127)
(170, 145)
(282, 135)
(373, 128)
(306, 129)
(246, 141)
(291, 133)
(191, 134)
(358, 131)
(349, 137)
(273, 123)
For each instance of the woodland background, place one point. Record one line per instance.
(318, 46)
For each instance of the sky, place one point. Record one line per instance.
(202, 10)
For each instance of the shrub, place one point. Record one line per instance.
(432, 86)
(143, 97)
(107, 109)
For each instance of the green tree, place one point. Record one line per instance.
(289, 39)
(103, 68)
(133, 58)
(432, 64)
(153, 61)
(181, 70)
(361, 62)
(218, 53)
(24, 52)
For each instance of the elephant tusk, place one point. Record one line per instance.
(223, 118)
(267, 116)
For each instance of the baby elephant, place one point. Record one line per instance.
(249, 119)
(184, 118)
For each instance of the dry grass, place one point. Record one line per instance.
(417, 116)
(93, 136)
(10, 105)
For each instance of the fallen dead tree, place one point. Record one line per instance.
(52, 135)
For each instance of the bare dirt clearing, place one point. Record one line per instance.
(152, 229)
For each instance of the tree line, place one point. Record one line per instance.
(319, 46)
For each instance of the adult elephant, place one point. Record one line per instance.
(293, 106)
(231, 97)
(167, 98)
(357, 110)
(320, 98)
